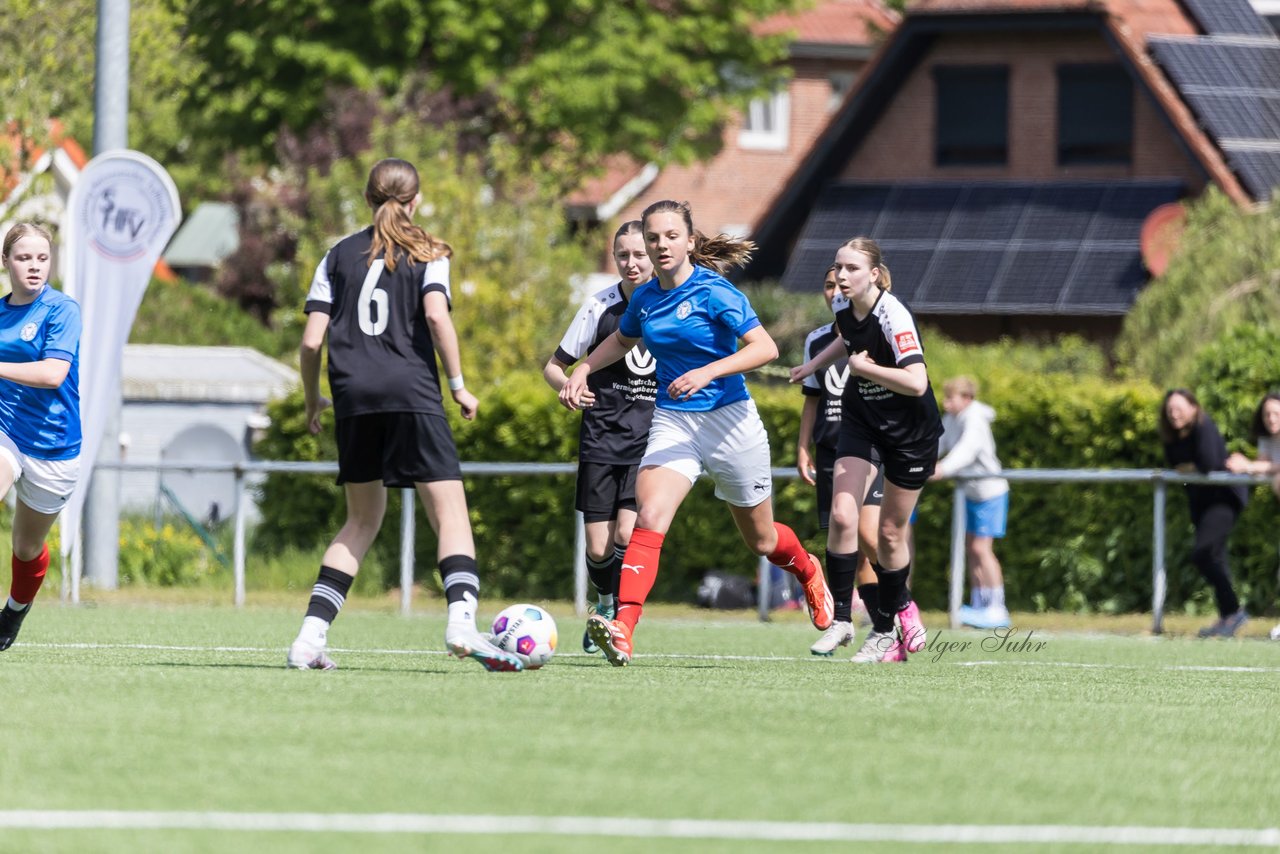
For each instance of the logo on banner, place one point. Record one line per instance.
(125, 207)
(28, 332)
(906, 342)
(640, 361)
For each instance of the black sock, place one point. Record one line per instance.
(601, 574)
(619, 552)
(459, 577)
(870, 594)
(894, 595)
(329, 593)
(842, 573)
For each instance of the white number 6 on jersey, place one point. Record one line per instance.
(372, 297)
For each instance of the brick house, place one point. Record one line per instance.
(1007, 153)
(833, 42)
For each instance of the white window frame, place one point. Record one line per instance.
(757, 132)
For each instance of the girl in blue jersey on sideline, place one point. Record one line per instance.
(888, 408)
(691, 319)
(383, 299)
(612, 436)
(39, 410)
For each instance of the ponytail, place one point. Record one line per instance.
(392, 185)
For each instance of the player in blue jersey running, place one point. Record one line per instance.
(382, 298)
(39, 410)
(691, 319)
(611, 439)
(888, 409)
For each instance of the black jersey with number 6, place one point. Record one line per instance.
(827, 386)
(888, 333)
(381, 355)
(616, 428)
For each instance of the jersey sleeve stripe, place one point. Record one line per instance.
(322, 306)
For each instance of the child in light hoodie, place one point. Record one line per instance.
(967, 447)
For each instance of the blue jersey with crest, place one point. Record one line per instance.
(688, 327)
(43, 422)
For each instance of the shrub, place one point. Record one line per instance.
(165, 557)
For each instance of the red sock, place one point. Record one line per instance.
(639, 571)
(28, 575)
(790, 554)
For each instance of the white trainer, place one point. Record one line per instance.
(465, 641)
(878, 647)
(839, 634)
(305, 656)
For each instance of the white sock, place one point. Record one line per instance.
(314, 631)
(606, 600)
(17, 606)
(464, 611)
(996, 596)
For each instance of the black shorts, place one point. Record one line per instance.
(826, 464)
(397, 448)
(604, 489)
(906, 467)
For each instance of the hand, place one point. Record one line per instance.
(575, 395)
(467, 402)
(800, 372)
(1239, 463)
(860, 360)
(804, 465)
(688, 384)
(314, 408)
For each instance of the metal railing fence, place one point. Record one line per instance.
(1158, 478)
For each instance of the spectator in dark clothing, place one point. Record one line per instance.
(1192, 443)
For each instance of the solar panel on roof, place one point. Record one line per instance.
(960, 278)
(1228, 17)
(919, 212)
(977, 255)
(1234, 90)
(1035, 277)
(1106, 280)
(989, 212)
(1259, 170)
(1061, 212)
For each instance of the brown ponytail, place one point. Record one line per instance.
(393, 183)
(720, 253)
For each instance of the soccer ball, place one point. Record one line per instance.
(527, 632)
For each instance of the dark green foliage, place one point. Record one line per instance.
(187, 314)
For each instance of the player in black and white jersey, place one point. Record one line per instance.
(615, 426)
(382, 295)
(889, 408)
(819, 431)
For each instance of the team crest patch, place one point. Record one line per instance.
(28, 332)
(906, 342)
(682, 310)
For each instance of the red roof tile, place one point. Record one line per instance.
(858, 22)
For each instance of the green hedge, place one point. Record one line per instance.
(1069, 546)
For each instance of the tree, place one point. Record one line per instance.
(1226, 274)
(48, 73)
(568, 81)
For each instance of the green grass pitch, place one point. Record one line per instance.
(185, 708)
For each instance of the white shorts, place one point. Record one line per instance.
(43, 485)
(729, 444)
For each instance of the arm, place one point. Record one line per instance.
(912, 380)
(46, 373)
(554, 373)
(759, 351)
(436, 307)
(574, 392)
(309, 366)
(963, 453)
(808, 417)
(828, 357)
